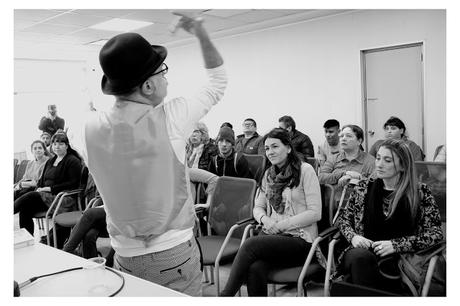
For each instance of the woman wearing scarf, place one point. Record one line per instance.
(200, 148)
(288, 205)
(385, 216)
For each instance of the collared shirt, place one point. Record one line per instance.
(336, 167)
(326, 151)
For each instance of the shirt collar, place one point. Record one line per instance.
(360, 158)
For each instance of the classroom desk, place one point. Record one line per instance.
(42, 259)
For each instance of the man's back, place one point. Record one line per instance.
(303, 145)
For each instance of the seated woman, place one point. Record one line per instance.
(287, 206)
(62, 172)
(34, 169)
(350, 163)
(396, 129)
(200, 148)
(387, 215)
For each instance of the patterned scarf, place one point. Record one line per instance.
(276, 183)
(194, 156)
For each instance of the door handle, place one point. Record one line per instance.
(371, 99)
(371, 132)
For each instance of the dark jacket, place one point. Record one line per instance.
(51, 126)
(222, 166)
(67, 176)
(253, 145)
(302, 144)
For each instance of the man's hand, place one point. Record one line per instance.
(191, 24)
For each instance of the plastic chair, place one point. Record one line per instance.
(21, 169)
(66, 219)
(311, 269)
(15, 167)
(230, 210)
(256, 165)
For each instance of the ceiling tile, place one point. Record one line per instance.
(75, 19)
(256, 16)
(105, 13)
(51, 29)
(35, 15)
(160, 16)
(22, 24)
(214, 24)
(225, 13)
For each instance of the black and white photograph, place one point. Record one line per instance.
(234, 150)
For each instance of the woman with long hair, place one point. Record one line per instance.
(387, 215)
(34, 169)
(288, 205)
(62, 172)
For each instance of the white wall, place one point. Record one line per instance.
(312, 71)
(308, 70)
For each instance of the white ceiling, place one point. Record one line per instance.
(71, 27)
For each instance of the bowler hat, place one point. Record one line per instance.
(127, 60)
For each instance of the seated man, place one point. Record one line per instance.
(331, 145)
(301, 142)
(250, 142)
(228, 162)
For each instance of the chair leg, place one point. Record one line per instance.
(205, 273)
(274, 289)
(212, 274)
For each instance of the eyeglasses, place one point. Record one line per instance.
(249, 124)
(163, 71)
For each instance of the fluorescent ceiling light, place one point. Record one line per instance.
(99, 42)
(120, 25)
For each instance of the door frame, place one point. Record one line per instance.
(362, 54)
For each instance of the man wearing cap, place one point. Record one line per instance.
(228, 162)
(51, 122)
(136, 154)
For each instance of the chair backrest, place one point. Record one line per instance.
(16, 166)
(256, 165)
(434, 175)
(314, 163)
(327, 208)
(21, 169)
(232, 201)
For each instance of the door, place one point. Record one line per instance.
(393, 86)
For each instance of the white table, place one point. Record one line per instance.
(41, 259)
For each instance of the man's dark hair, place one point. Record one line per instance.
(331, 123)
(288, 121)
(252, 120)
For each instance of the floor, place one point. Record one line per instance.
(208, 288)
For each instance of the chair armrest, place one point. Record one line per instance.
(251, 220)
(61, 198)
(55, 201)
(328, 232)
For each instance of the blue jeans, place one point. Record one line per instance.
(258, 255)
(177, 268)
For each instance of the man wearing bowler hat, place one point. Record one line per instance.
(136, 154)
